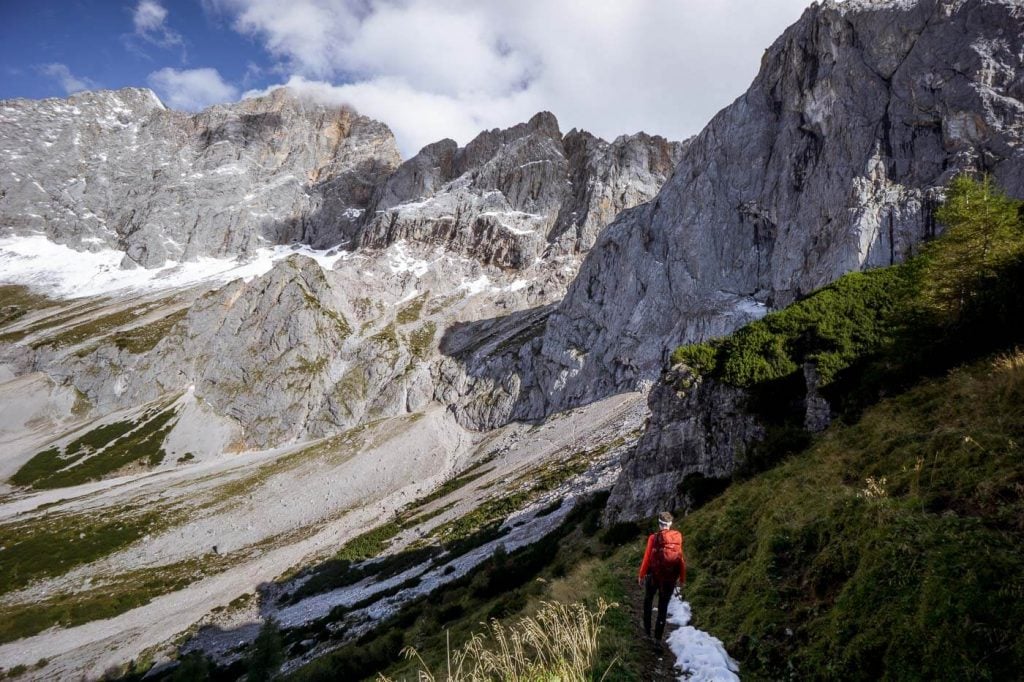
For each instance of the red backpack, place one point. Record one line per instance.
(667, 555)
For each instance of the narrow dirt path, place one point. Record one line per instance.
(660, 665)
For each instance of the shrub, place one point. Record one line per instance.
(702, 358)
(983, 235)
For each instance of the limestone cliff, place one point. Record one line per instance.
(511, 197)
(116, 169)
(832, 161)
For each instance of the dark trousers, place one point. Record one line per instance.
(664, 591)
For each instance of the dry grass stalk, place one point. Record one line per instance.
(558, 643)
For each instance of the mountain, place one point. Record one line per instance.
(832, 161)
(251, 403)
(511, 197)
(523, 204)
(268, 369)
(116, 169)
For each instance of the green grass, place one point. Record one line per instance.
(97, 327)
(16, 301)
(58, 314)
(421, 340)
(100, 452)
(349, 565)
(388, 336)
(492, 512)
(311, 367)
(369, 544)
(411, 312)
(918, 577)
(145, 337)
(116, 596)
(53, 545)
(458, 482)
(68, 610)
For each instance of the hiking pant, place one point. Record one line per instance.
(664, 591)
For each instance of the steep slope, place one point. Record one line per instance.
(831, 162)
(202, 436)
(888, 550)
(115, 169)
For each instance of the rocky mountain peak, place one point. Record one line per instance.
(116, 170)
(513, 196)
(832, 161)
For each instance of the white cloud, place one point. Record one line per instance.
(69, 81)
(448, 68)
(150, 20)
(191, 89)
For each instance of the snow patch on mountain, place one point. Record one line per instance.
(63, 272)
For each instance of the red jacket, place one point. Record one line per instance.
(645, 565)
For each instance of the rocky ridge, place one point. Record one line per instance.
(450, 236)
(117, 170)
(513, 197)
(832, 161)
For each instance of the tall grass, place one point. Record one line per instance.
(559, 642)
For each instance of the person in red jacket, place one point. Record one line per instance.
(662, 566)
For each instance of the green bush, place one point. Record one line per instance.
(834, 328)
(702, 358)
(267, 653)
(984, 234)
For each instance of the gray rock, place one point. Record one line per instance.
(511, 197)
(832, 161)
(115, 169)
(817, 410)
(697, 426)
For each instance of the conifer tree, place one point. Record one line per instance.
(267, 653)
(983, 235)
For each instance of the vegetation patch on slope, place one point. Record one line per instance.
(951, 300)
(145, 337)
(16, 301)
(889, 550)
(562, 567)
(832, 328)
(100, 452)
(97, 327)
(52, 545)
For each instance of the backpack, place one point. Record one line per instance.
(667, 556)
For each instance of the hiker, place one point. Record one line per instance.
(662, 566)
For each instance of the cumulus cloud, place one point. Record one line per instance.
(69, 81)
(150, 20)
(191, 89)
(448, 68)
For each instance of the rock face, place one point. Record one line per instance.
(697, 426)
(289, 355)
(115, 169)
(832, 161)
(511, 197)
(448, 240)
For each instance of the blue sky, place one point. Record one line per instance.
(97, 41)
(428, 68)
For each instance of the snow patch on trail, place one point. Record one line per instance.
(63, 272)
(700, 657)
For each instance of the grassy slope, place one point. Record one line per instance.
(921, 578)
